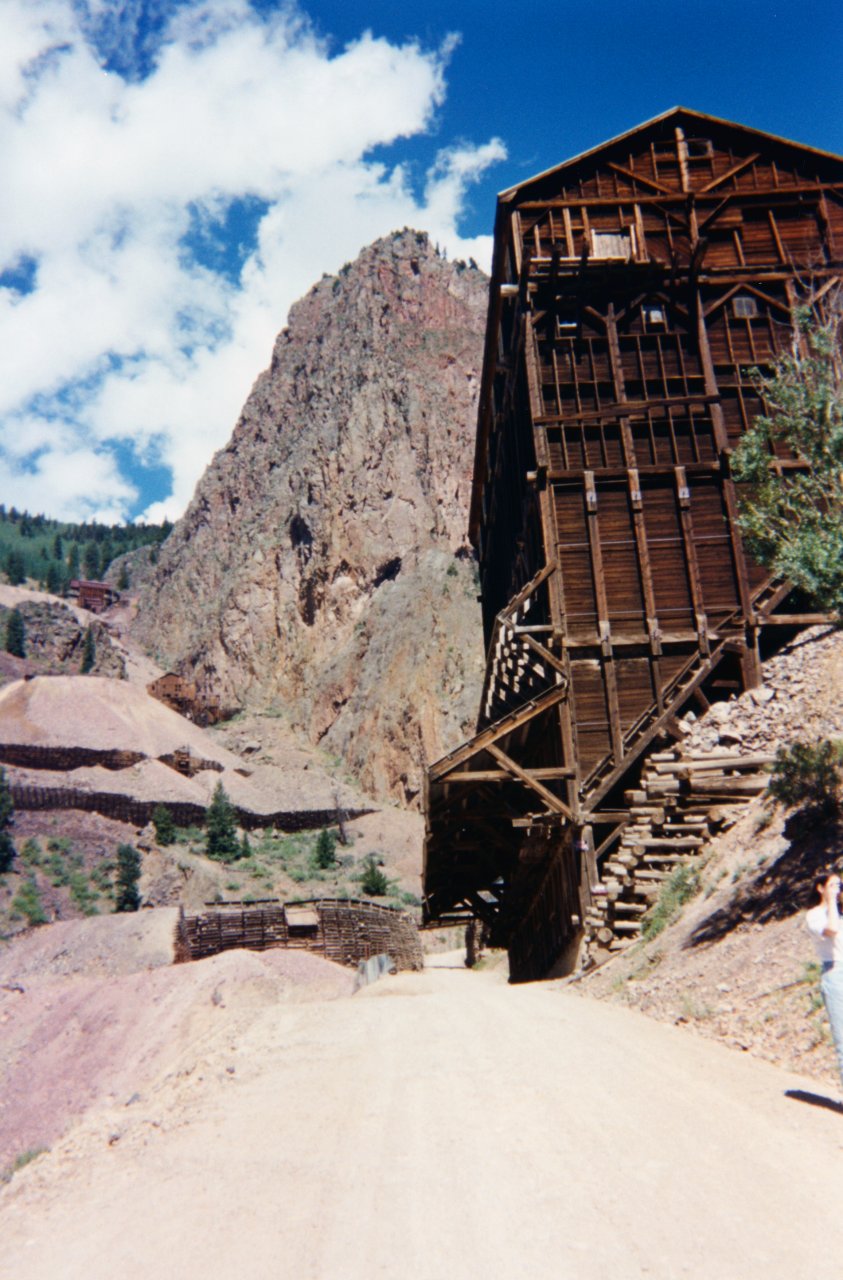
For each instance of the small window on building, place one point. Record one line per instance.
(611, 244)
(566, 323)
(655, 316)
(744, 307)
(699, 148)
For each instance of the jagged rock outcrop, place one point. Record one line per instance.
(55, 639)
(323, 564)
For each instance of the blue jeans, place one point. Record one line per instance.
(831, 985)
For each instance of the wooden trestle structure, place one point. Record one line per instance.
(634, 288)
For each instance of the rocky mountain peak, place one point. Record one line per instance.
(342, 498)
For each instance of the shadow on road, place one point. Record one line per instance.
(815, 1100)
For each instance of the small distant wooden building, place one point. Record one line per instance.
(183, 696)
(95, 596)
(634, 289)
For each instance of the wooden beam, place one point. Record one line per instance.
(553, 802)
(508, 724)
(504, 775)
(638, 177)
(730, 173)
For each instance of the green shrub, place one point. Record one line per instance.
(89, 653)
(373, 881)
(30, 854)
(808, 775)
(128, 875)
(21, 1161)
(27, 903)
(82, 894)
(682, 885)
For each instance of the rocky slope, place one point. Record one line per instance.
(322, 566)
(737, 965)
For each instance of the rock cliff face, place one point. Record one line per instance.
(322, 566)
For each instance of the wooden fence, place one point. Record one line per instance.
(123, 808)
(343, 930)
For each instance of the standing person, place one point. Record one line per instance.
(826, 928)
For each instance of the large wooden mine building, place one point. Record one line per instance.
(634, 289)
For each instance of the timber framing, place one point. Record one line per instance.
(634, 290)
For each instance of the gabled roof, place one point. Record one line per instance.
(676, 114)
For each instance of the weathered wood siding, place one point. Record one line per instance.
(634, 291)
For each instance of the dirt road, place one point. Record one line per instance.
(443, 1125)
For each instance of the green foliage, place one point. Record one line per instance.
(808, 775)
(15, 568)
(101, 876)
(221, 827)
(128, 875)
(123, 578)
(793, 522)
(21, 1161)
(27, 903)
(246, 846)
(7, 814)
(30, 854)
(682, 885)
(84, 896)
(165, 827)
(57, 578)
(49, 550)
(91, 560)
(325, 852)
(89, 652)
(16, 634)
(373, 880)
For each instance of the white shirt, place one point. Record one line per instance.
(828, 949)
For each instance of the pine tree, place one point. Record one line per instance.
(373, 881)
(89, 652)
(128, 875)
(7, 813)
(16, 634)
(793, 521)
(165, 827)
(73, 560)
(91, 560)
(325, 850)
(221, 827)
(15, 568)
(123, 578)
(245, 846)
(55, 577)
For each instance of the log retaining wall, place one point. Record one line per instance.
(343, 930)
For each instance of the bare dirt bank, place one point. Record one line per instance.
(443, 1124)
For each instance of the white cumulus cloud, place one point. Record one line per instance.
(117, 329)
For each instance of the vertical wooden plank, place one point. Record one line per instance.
(607, 661)
(683, 498)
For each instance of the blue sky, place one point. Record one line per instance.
(181, 172)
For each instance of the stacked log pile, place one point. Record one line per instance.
(682, 801)
(347, 932)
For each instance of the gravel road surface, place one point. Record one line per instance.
(437, 1125)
